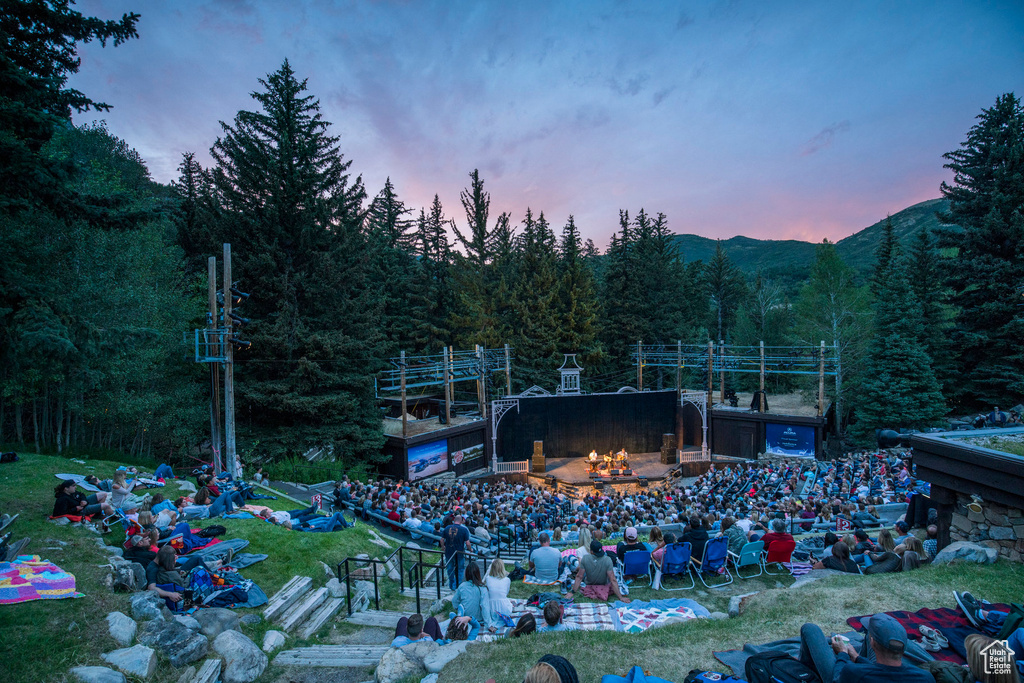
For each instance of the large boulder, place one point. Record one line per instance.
(122, 627)
(273, 640)
(180, 645)
(188, 622)
(335, 588)
(436, 660)
(148, 605)
(215, 620)
(965, 551)
(97, 674)
(243, 661)
(396, 665)
(122, 575)
(138, 661)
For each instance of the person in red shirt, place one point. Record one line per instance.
(778, 533)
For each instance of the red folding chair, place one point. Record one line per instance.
(777, 553)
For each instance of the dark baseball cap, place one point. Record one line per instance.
(887, 632)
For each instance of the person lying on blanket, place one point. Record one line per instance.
(990, 622)
(68, 500)
(600, 576)
(305, 520)
(553, 615)
(414, 629)
(881, 658)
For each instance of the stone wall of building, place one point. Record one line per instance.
(996, 526)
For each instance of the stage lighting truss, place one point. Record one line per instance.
(428, 371)
(778, 360)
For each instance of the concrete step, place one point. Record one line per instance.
(321, 616)
(351, 656)
(289, 594)
(372, 617)
(301, 610)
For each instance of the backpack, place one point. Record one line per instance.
(947, 672)
(700, 676)
(212, 531)
(9, 457)
(1014, 621)
(774, 666)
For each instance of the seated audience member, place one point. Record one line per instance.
(68, 500)
(658, 556)
(737, 539)
(655, 539)
(471, 599)
(931, 543)
(977, 662)
(553, 614)
(902, 531)
(807, 513)
(997, 417)
(838, 560)
(545, 561)
(526, 625)
(628, 543)
(584, 542)
(413, 629)
(498, 584)
(552, 669)
(778, 533)
(167, 579)
(599, 573)
(880, 658)
(697, 537)
(140, 550)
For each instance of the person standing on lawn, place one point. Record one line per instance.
(455, 543)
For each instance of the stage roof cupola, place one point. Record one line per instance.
(570, 375)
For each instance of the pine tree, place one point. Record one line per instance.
(294, 217)
(434, 279)
(195, 217)
(624, 303)
(832, 308)
(726, 287)
(576, 303)
(533, 304)
(387, 227)
(899, 388)
(475, 318)
(930, 297)
(986, 199)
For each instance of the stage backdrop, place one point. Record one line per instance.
(575, 425)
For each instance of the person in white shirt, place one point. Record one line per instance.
(498, 584)
(743, 523)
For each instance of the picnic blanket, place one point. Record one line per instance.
(945, 619)
(634, 675)
(79, 481)
(31, 578)
(217, 548)
(736, 660)
(587, 616)
(798, 568)
(638, 616)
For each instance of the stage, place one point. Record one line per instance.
(576, 470)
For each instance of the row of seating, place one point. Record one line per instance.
(679, 562)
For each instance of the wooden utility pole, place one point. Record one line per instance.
(508, 373)
(215, 439)
(721, 371)
(447, 389)
(639, 366)
(711, 375)
(229, 371)
(481, 382)
(760, 397)
(405, 420)
(821, 380)
(679, 369)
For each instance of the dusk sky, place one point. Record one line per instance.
(774, 120)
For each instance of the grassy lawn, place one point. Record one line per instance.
(41, 640)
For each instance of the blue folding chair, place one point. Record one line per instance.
(675, 562)
(637, 563)
(716, 552)
(749, 556)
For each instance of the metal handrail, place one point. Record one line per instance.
(347, 578)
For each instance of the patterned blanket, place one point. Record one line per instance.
(587, 616)
(30, 578)
(638, 616)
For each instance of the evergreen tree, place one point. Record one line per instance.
(576, 303)
(475, 318)
(624, 304)
(986, 199)
(294, 218)
(195, 216)
(726, 288)
(832, 308)
(534, 305)
(434, 279)
(929, 297)
(387, 227)
(899, 388)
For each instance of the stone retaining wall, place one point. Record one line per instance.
(996, 526)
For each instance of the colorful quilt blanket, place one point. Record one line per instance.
(638, 616)
(30, 578)
(587, 616)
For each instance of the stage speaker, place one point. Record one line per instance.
(627, 473)
(539, 463)
(641, 482)
(668, 449)
(599, 485)
(615, 473)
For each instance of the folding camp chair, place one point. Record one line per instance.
(777, 553)
(637, 563)
(716, 552)
(749, 556)
(675, 562)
